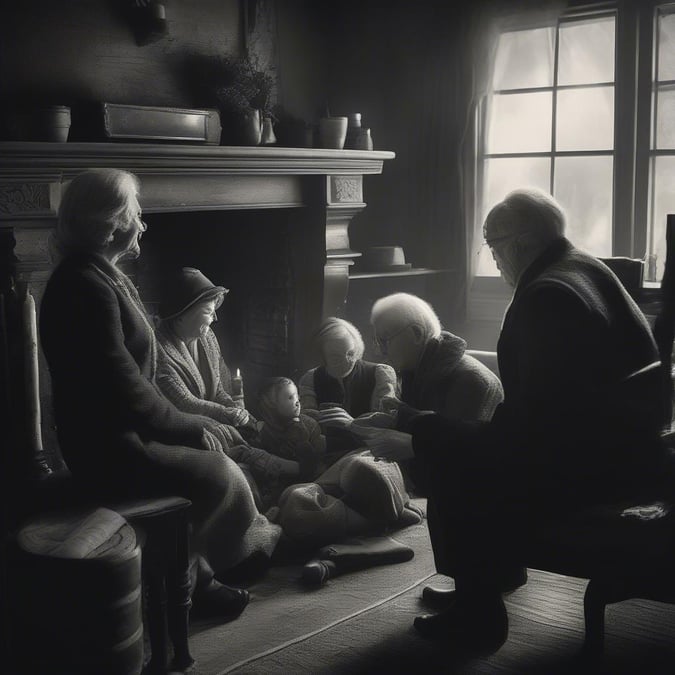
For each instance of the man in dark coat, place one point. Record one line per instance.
(579, 423)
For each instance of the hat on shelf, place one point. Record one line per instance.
(185, 289)
(384, 259)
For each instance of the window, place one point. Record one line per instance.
(662, 143)
(585, 109)
(550, 124)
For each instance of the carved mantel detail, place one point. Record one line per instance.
(23, 198)
(346, 189)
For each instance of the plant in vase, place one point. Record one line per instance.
(245, 103)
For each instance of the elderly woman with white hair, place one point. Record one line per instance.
(119, 435)
(344, 380)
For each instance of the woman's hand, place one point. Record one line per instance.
(226, 435)
(210, 442)
(386, 444)
(238, 417)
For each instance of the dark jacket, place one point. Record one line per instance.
(101, 352)
(580, 373)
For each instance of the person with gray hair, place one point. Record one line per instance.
(579, 425)
(119, 435)
(343, 380)
(436, 372)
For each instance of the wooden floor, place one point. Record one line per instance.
(362, 623)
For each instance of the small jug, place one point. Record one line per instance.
(364, 140)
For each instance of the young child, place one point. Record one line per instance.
(289, 433)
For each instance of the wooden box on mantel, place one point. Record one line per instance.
(149, 123)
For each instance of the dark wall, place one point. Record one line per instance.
(87, 50)
(397, 64)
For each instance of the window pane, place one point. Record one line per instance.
(585, 119)
(665, 119)
(500, 177)
(514, 66)
(520, 123)
(666, 36)
(664, 203)
(583, 186)
(586, 52)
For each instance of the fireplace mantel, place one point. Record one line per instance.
(186, 177)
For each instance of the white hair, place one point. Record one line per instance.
(95, 204)
(333, 327)
(400, 310)
(528, 211)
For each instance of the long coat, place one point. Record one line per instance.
(117, 432)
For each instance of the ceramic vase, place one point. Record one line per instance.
(332, 132)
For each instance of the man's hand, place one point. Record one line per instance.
(390, 404)
(336, 416)
(387, 444)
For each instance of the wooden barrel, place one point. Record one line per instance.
(76, 595)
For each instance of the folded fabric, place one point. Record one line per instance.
(71, 536)
(307, 513)
(374, 488)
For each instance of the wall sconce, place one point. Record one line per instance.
(148, 21)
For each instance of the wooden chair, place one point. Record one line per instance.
(625, 550)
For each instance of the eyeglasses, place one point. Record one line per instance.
(382, 342)
(495, 241)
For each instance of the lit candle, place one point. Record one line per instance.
(238, 389)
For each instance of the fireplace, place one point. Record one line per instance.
(269, 223)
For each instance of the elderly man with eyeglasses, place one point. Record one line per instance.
(579, 425)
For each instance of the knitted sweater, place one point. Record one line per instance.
(450, 382)
(196, 388)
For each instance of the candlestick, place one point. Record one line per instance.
(238, 389)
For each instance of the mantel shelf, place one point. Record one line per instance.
(40, 158)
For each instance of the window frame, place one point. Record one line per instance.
(635, 26)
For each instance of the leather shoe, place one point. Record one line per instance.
(217, 600)
(438, 597)
(318, 572)
(444, 597)
(479, 628)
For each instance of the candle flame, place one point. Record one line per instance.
(238, 373)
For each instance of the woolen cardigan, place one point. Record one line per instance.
(450, 382)
(196, 388)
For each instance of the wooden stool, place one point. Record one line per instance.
(76, 594)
